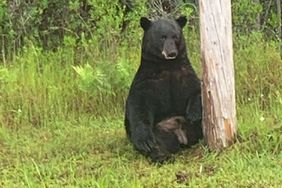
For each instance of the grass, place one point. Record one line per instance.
(94, 152)
(58, 129)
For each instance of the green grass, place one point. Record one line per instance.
(93, 152)
(59, 128)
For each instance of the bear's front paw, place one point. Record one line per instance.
(159, 155)
(143, 140)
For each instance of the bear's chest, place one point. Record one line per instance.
(170, 89)
(172, 81)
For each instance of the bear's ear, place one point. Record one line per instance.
(182, 20)
(145, 23)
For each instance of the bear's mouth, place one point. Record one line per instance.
(169, 56)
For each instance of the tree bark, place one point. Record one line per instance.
(278, 2)
(218, 92)
(257, 25)
(266, 14)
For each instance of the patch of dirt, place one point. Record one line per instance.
(181, 177)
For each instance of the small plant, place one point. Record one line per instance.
(93, 80)
(105, 77)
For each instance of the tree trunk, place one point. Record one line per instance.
(266, 14)
(257, 25)
(218, 92)
(278, 2)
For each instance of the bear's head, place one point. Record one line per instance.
(163, 38)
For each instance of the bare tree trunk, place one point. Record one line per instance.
(219, 112)
(3, 50)
(257, 25)
(278, 2)
(266, 14)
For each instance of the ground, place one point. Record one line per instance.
(94, 152)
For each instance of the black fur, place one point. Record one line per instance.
(164, 101)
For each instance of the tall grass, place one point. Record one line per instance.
(38, 86)
(258, 69)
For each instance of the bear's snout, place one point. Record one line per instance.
(169, 50)
(170, 55)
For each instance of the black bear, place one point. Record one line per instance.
(163, 108)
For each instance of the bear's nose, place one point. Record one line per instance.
(172, 55)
